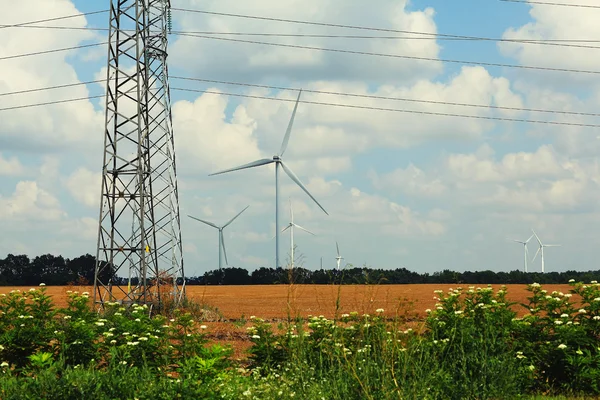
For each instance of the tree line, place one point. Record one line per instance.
(20, 270)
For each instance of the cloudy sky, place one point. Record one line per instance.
(402, 188)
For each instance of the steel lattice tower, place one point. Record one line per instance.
(139, 233)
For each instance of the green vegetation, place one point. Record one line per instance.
(472, 347)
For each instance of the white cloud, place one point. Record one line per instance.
(480, 167)
(555, 23)
(10, 166)
(84, 186)
(29, 202)
(411, 181)
(256, 61)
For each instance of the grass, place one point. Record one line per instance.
(472, 347)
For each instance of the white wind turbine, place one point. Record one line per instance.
(524, 243)
(277, 159)
(221, 238)
(339, 258)
(291, 226)
(541, 248)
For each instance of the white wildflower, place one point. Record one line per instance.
(562, 346)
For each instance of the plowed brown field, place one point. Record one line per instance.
(276, 302)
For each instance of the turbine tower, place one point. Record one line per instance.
(541, 249)
(339, 258)
(526, 251)
(139, 222)
(277, 159)
(222, 250)
(291, 226)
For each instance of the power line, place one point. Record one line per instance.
(51, 87)
(547, 42)
(334, 25)
(52, 19)
(366, 96)
(51, 102)
(391, 98)
(37, 53)
(327, 104)
(392, 109)
(551, 4)
(487, 64)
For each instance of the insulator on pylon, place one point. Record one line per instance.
(169, 20)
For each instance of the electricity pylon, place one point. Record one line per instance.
(139, 223)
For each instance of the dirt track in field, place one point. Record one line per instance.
(276, 302)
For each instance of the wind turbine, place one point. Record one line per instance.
(221, 238)
(541, 249)
(525, 247)
(291, 226)
(277, 159)
(339, 258)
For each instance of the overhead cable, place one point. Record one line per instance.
(548, 3)
(402, 56)
(391, 109)
(441, 37)
(37, 53)
(356, 95)
(390, 98)
(50, 103)
(326, 104)
(51, 19)
(51, 87)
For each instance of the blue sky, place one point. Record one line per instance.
(419, 191)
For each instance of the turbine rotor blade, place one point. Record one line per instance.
(223, 245)
(337, 247)
(238, 214)
(286, 138)
(256, 163)
(552, 245)
(304, 229)
(527, 241)
(299, 183)
(536, 253)
(206, 222)
(537, 237)
(286, 228)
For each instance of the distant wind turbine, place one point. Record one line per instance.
(291, 226)
(525, 247)
(277, 159)
(221, 238)
(339, 258)
(541, 249)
